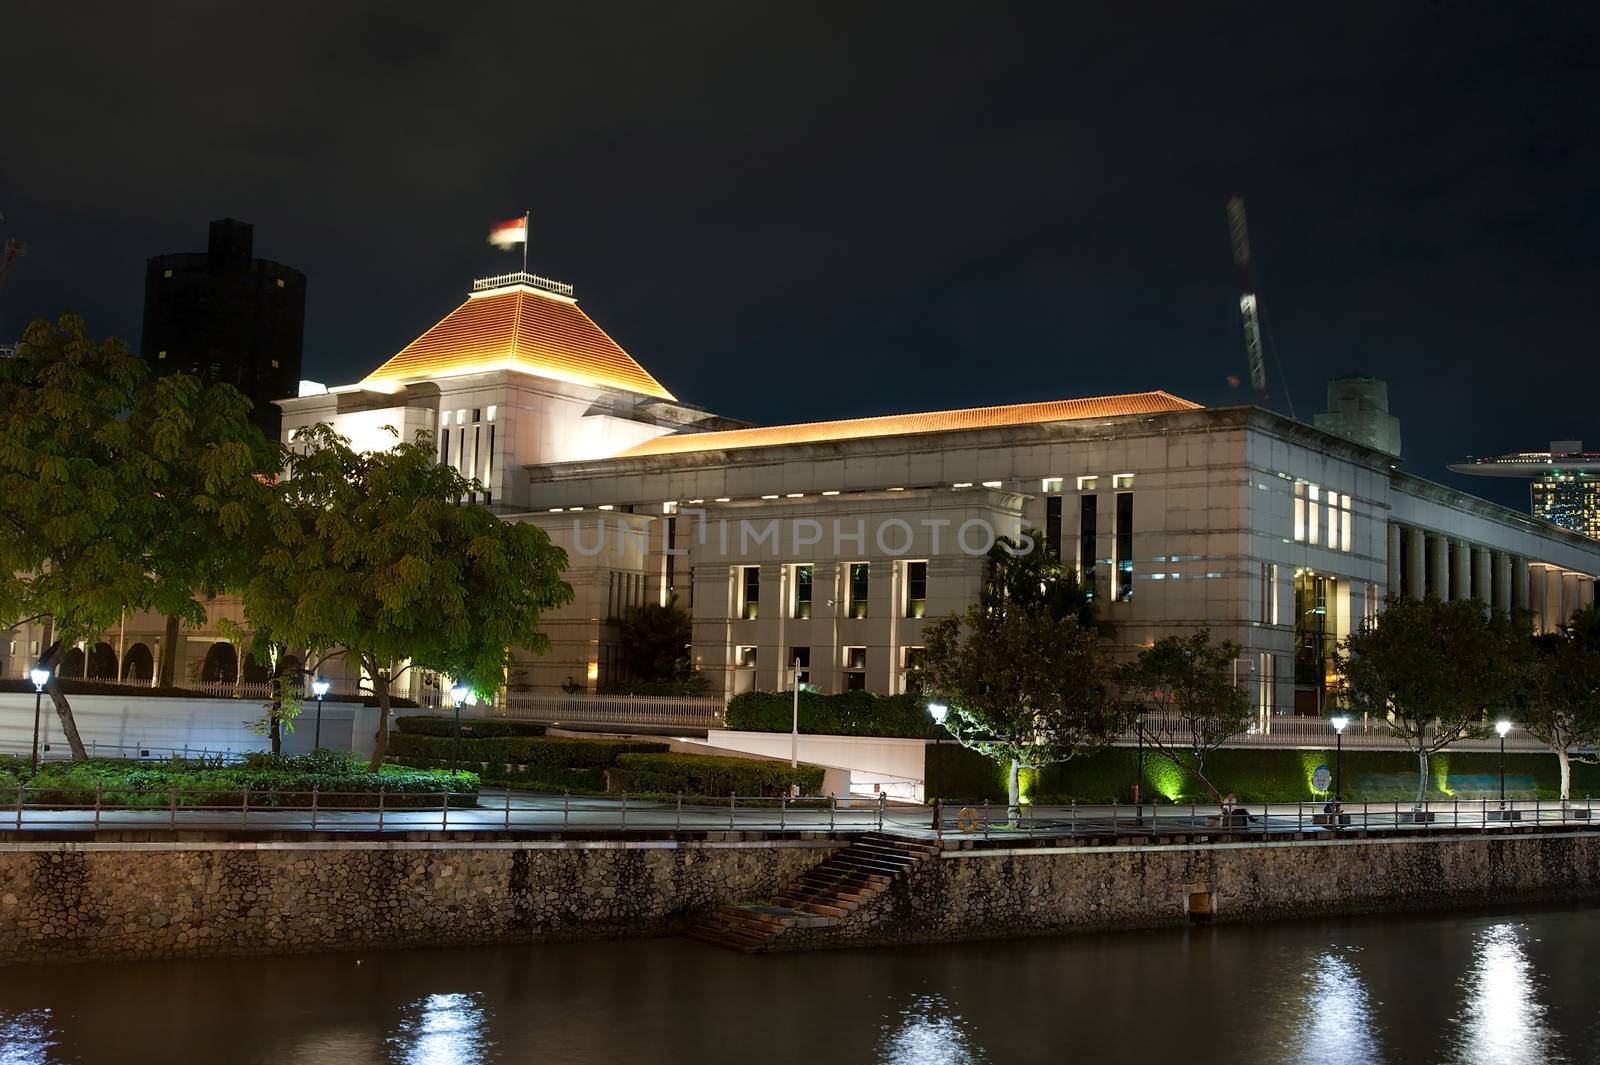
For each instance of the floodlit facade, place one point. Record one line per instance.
(833, 543)
(1564, 482)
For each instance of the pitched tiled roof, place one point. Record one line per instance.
(519, 329)
(905, 424)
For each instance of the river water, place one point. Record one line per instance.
(1496, 988)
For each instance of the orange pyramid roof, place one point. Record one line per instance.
(518, 328)
(905, 424)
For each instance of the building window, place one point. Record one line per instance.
(1050, 484)
(1299, 512)
(1122, 480)
(855, 669)
(1088, 518)
(1088, 483)
(1124, 546)
(803, 656)
(1313, 509)
(166, 273)
(749, 592)
(1269, 593)
(910, 668)
(1344, 523)
(745, 656)
(860, 585)
(1052, 523)
(916, 589)
(1316, 628)
(800, 605)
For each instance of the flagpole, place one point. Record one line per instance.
(526, 215)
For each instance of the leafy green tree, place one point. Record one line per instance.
(1188, 682)
(1434, 671)
(1561, 693)
(122, 492)
(1021, 686)
(1027, 574)
(654, 642)
(374, 552)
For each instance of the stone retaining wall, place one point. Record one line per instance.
(979, 894)
(71, 901)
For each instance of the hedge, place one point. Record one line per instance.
(471, 728)
(272, 780)
(705, 775)
(840, 714)
(546, 752)
(957, 774)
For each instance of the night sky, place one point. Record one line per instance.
(803, 211)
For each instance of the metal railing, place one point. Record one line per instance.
(621, 710)
(1317, 732)
(1157, 820)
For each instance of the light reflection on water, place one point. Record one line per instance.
(442, 1030)
(928, 1032)
(1503, 1019)
(26, 1038)
(1337, 1025)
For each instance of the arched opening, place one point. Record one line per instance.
(102, 662)
(221, 664)
(71, 665)
(255, 672)
(138, 664)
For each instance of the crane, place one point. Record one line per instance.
(1249, 308)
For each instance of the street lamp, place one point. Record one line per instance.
(938, 712)
(1340, 723)
(794, 731)
(1138, 780)
(458, 695)
(40, 677)
(319, 688)
(1502, 727)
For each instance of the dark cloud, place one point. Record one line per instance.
(793, 211)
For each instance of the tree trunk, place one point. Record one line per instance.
(169, 653)
(1014, 790)
(58, 699)
(1566, 776)
(1422, 778)
(380, 741)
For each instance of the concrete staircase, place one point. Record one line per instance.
(822, 896)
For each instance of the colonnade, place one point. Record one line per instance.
(1423, 562)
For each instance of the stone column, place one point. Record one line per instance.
(1502, 581)
(1553, 611)
(1481, 589)
(1394, 559)
(1536, 590)
(1460, 570)
(1585, 592)
(1414, 564)
(1571, 593)
(1438, 566)
(1519, 583)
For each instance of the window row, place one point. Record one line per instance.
(801, 581)
(852, 665)
(1320, 522)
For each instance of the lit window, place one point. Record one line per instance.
(1299, 513)
(1051, 484)
(280, 282)
(745, 656)
(1122, 480)
(860, 585)
(916, 589)
(992, 484)
(669, 507)
(1312, 514)
(274, 364)
(910, 664)
(491, 414)
(166, 273)
(749, 592)
(800, 593)
(162, 354)
(855, 669)
(1088, 484)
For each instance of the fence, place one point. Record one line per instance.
(1318, 733)
(622, 710)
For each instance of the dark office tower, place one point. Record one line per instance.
(226, 317)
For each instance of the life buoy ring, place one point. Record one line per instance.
(967, 819)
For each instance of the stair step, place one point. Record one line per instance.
(819, 907)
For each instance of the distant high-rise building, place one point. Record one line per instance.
(1566, 482)
(1358, 409)
(226, 317)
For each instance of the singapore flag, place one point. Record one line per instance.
(505, 234)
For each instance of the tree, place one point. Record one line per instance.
(1020, 685)
(122, 493)
(1189, 681)
(1561, 693)
(1433, 671)
(374, 552)
(654, 642)
(1027, 574)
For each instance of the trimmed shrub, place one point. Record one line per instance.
(542, 752)
(475, 728)
(272, 780)
(699, 774)
(841, 714)
(959, 774)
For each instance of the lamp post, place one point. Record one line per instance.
(1340, 723)
(319, 689)
(794, 730)
(937, 711)
(40, 677)
(458, 695)
(1502, 727)
(1138, 780)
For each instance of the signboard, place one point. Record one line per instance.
(1321, 778)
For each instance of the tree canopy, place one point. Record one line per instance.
(372, 552)
(122, 492)
(1561, 692)
(1187, 681)
(1434, 671)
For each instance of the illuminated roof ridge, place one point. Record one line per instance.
(523, 323)
(1156, 402)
